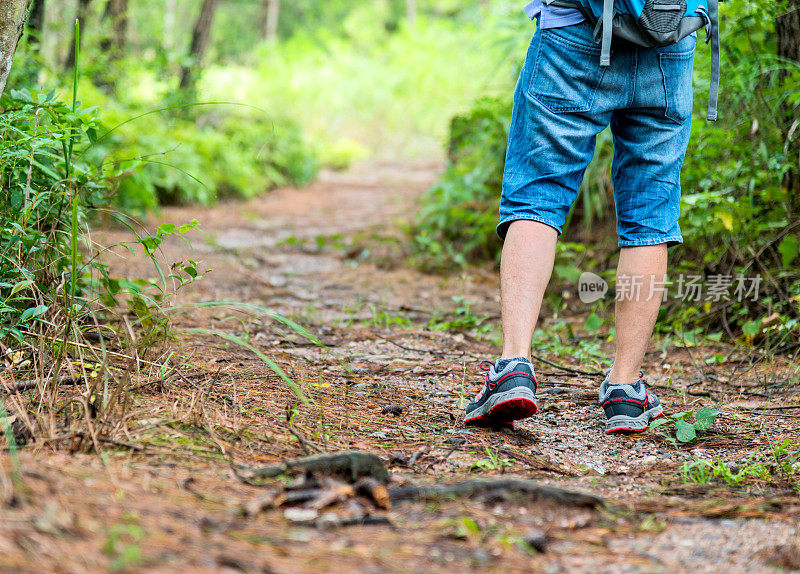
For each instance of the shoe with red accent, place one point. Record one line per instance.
(508, 395)
(628, 408)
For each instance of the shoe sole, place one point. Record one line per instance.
(503, 408)
(623, 424)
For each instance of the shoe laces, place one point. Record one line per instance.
(486, 366)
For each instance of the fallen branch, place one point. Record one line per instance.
(21, 386)
(350, 465)
(502, 486)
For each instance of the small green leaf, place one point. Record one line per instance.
(659, 422)
(685, 432)
(681, 416)
(789, 248)
(469, 525)
(166, 229)
(705, 417)
(20, 286)
(593, 323)
(32, 312)
(751, 328)
(150, 243)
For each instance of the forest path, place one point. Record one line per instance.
(393, 379)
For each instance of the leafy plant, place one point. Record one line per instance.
(779, 461)
(492, 462)
(463, 318)
(684, 430)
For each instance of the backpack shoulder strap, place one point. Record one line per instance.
(713, 91)
(608, 28)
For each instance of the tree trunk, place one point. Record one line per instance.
(83, 13)
(200, 39)
(272, 12)
(170, 9)
(36, 24)
(411, 12)
(117, 14)
(787, 26)
(12, 20)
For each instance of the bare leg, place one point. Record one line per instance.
(527, 263)
(636, 314)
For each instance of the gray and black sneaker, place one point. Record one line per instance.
(509, 394)
(629, 408)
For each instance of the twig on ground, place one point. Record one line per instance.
(419, 452)
(769, 408)
(568, 369)
(502, 486)
(21, 386)
(535, 462)
(460, 442)
(305, 444)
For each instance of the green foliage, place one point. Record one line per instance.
(39, 182)
(685, 431)
(781, 461)
(492, 462)
(366, 90)
(739, 217)
(456, 222)
(123, 546)
(559, 339)
(196, 153)
(463, 319)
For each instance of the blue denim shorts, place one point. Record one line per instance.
(563, 99)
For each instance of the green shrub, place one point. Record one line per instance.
(175, 160)
(457, 219)
(169, 152)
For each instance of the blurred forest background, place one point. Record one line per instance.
(200, 101)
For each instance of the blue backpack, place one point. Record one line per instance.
(652, 24)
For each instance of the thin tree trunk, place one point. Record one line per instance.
(170, 9)
(117, 14)
(273, 10)
(200, 40)
(83, 13)
(411, 12)
(36, 24)
(787, 26)
(12, 21)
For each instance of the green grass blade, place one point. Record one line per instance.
(269, 362)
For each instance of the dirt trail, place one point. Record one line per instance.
(332, 257)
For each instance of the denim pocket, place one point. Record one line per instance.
(567, 71)
(676, 67)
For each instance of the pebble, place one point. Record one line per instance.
(300, 514)
(536, 539)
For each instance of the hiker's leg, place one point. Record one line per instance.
(650, 139)
(528, 255)
(559, 108)
(641, 270)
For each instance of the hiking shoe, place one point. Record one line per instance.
(629, 408)
(508, 395)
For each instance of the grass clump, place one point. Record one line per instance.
(779, 463)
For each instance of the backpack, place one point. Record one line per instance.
(652, 24)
